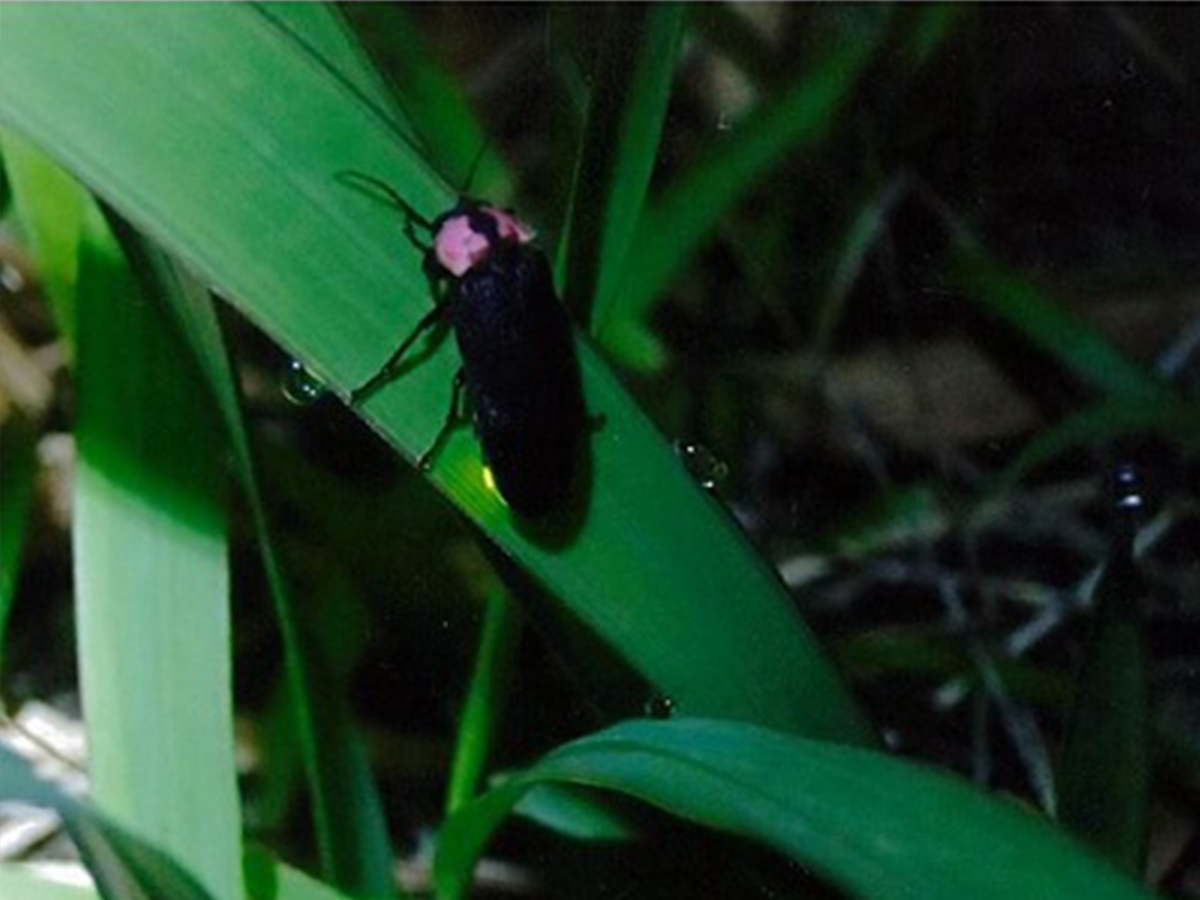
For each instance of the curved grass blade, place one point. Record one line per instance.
(50, 207)
(1026, 308)
(656, 567)
(875, 827)
(630, 91)
(1113, 417)
(690, 208)
(436, 105)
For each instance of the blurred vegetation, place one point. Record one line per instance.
(898, 289)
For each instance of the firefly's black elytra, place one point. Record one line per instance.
(494, 288)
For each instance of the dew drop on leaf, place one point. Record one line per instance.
(300, 386)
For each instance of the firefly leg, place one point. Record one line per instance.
(453, 418)
(429, 320)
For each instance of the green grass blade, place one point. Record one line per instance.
(269, 879)
(50, 207)
(124, 866)
(854, 251)
(630, 91)
(351, 831)
(18, 442)
(876, 827)
(1028, 309)
(656, 567)
(1107, 419)
(151, 576)
(486, 697)
(1105, 773)
(689, 209)
(434, 102)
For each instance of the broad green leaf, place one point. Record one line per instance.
(690, 208)
(630, 91)
(151, 575)
(875, 827)
(124, 866)
(240, 182)
(18, 441)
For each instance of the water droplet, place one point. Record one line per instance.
(704, 465)
(659, 706)
(301, 386)
(1129, 69)
(1127, 487)
(723, 123)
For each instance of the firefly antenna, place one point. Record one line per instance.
(381, 190)
(474, 170)
(378, 110)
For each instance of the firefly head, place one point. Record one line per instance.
(466, 236)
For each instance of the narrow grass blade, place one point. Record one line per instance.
(151, 576)
(18, 441)
(434, 102)
(630, 91)
(351, 831)
(875, 827)
(655, 566)
(1105, 773)
(269, 879)
(50, 208)
(930, 25)
(486, 696)
(1107, 419)
(688, 210)
(859, 240)
(124, 866)
(1029, 310)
